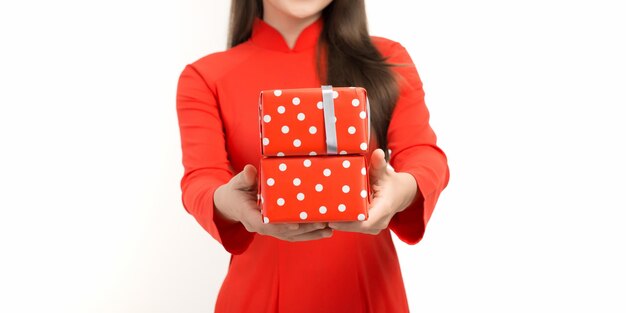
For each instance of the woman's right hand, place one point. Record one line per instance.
(236, 201)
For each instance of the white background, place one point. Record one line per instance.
(527, 99)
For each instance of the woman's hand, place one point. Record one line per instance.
(236, 201)
(392, 192)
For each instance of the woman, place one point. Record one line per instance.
(308, 267)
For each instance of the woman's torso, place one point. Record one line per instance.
(349, 272)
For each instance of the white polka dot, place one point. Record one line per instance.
(361, 217)
(312, 130)
(307, 163)
(297, 143)
(301, 116)
(363, 171)
(282, 167)
(351, 130)
(284, 129)
(346, 163)
(320, 105)
(312, 153)
(270, 181)
(355, 102)
(277, 93)
(335, 94)
(362, 115)
(281, 109)
(266, 220)
(319, 187)
(300, 196)
(280, 201)
(345, 188)
(323, 210)
(327, 172)
(267, 118)
(341, 207)
(363, 194)
(303, 215)
(280, 154)
(343, 152)
(363, 146)
(297, 181)
(295, 100)
(266, 141)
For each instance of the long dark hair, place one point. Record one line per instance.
(346, 55)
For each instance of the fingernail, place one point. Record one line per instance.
(328, 233)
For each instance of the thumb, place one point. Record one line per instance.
(378, 165)
(246, 179)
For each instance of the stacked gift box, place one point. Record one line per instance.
(314, 147)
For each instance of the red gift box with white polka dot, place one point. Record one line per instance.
(292, 121)
(314, 143)
(313, 189)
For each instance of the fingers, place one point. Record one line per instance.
(378, 165)
(305, 231)
(303, 228)
(286, 231)
(246, 179)
(251, 219)
(313, 235)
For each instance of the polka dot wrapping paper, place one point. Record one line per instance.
(301, 179)
(292, 121)
(313, 189)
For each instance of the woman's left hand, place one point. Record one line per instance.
(392, 192)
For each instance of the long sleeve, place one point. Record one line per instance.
(414, 150)
(205, 160)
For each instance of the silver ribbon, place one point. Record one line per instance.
(329, 119)
(369, 121)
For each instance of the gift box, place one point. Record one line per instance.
(314, 121)
(314, 144)
(313, 189)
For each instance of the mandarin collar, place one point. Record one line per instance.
(266, 36)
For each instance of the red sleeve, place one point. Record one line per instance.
(414, 150)
(204, 158)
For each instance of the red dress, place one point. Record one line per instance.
(217, 107)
